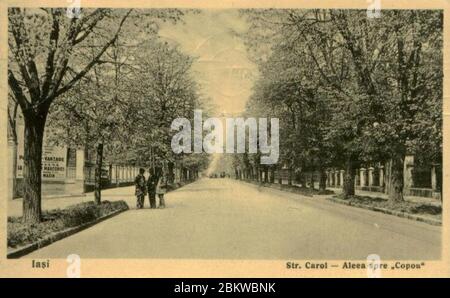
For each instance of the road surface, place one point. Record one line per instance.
(228, 219)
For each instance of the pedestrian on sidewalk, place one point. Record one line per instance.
(140, 191)
(151, 187)
(161, 186)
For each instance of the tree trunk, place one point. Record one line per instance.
(32, 168)
(395, 191)
(387, 176)
(311, 180)
(302, 179)
(349, 179)
(289, 176)
(98, 174)
(323, 180)
(266, 175)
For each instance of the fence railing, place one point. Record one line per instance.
(71, 173)
(111, 174)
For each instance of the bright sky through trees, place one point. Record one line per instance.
(222, 67)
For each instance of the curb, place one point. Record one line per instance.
(181, 184)
(286, 188)
(24, 250)
(430, 221)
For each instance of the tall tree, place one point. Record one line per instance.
(42, 44)
(379, 73)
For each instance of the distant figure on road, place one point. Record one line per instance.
(140, 192)
(161, 186)
(151, 187)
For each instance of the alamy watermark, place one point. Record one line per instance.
(74, 267)
(373, 266)
(213, 141)
(73, 10)
(374, 9)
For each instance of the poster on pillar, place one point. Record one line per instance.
(54, 159)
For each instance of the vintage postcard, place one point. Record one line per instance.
(211, 138)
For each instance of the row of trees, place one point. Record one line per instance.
(104, 80)
(349, 89)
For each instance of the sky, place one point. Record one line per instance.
(222, 68)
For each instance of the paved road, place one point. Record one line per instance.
(227, 219)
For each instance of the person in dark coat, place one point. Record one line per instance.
(140, 191)
(151, 187)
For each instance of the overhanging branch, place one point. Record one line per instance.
(94, 61)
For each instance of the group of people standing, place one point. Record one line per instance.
(155, 184)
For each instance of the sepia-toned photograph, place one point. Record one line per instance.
(310, 137)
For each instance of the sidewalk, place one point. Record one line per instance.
(124, 193)
(422, 200)
(53, 202)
